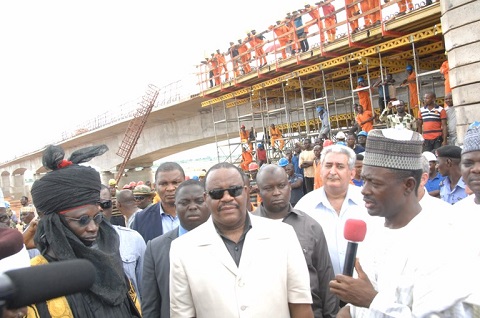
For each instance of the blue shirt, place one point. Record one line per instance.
(297, 193)
(181, 230)
(168, 222)
(295, 160)
(434, 184)
(132, 249)
(380, 91)
(358, 183)
(298, 23)
(454, 195)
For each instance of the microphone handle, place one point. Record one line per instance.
(349, 264)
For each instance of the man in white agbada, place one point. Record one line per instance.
(467, 211)
(406, 268)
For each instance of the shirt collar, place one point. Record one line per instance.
(351, 196)
(181, 230)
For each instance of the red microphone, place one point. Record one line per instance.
(353, 232)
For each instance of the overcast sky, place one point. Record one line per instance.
(64, 62)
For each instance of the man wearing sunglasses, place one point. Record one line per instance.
(161, 217)
(72, 227)
(143, 196)
(236, 262)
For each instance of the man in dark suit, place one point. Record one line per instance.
(161, 217)
(192, 211)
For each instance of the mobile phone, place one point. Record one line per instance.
(395, 103)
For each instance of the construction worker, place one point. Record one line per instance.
(246, 159)
(208, 63)
(255, 199)
(376, 16)
(245, 60)
(233, 51)
(411, 80)
(244, 137)
(290, 21)
(444, 69)
(222, 64)
(216, 69)
(352, 10)
(330, 19)
(256, 42)
(283, 37)
(315, 14)
(403, 5)
(364, 95)
(365, 6)
(276, 134)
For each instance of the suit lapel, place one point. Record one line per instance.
(253, 245)
(216, 247)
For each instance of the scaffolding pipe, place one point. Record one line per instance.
(428, 73)
(326, 103)
(335, 105)
(381, 82)
(369, 85)
(215, 134)
(415, 62)
(314, 100)
(226, 130)
(307, 127)
(287, 115)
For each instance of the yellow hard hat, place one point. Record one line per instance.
(112, 182)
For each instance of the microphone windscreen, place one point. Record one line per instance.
(354, 230)
(11, 242)
(44, 282)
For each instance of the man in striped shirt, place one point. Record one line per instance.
(432, 123)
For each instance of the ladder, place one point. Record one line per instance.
(135, 127)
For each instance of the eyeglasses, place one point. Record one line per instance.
(139, 197)
(105, 204)
(84, 220)
(217, 194)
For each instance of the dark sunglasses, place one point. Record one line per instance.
(139, 198)
(84, 220)
(105, 204)
(217, 194)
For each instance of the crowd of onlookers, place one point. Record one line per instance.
(207, 248)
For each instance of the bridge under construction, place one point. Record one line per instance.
(287, 91)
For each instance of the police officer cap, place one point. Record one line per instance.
(449, 151)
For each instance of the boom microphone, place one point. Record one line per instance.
(354, 232)
(26, 286)
(11, 242)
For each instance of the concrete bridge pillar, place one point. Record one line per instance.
(460, 25)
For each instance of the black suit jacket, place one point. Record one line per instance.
(148, 222)
(155, 278)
